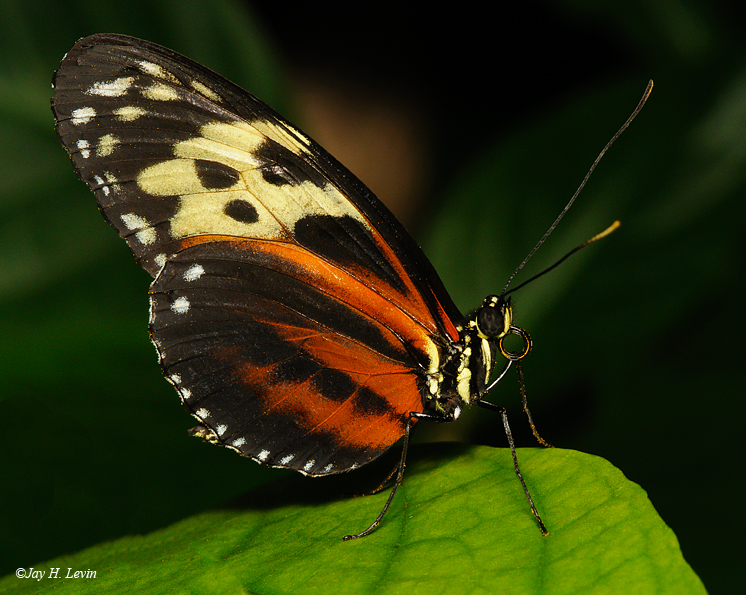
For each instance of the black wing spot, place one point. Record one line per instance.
(334, 384)
(338, 386)
(371, 403)
(297, 369)
(280, 166)
(215, 176)
(277, 176)
(242, 211)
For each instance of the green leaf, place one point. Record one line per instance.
(458, 525)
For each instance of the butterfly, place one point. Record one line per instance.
(299, 322)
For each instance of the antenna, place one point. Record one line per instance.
(645, 96)
(611, 229)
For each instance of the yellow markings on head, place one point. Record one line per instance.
(157, 71)
(204, 90)
(508, 319)
(129, 113)
(106, 145)
(486, 355)
(160, 92)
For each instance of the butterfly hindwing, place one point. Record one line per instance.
(304, 381)
(292, 312)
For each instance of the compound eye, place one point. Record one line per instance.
(491, 321)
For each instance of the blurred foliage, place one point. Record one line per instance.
(518, 103)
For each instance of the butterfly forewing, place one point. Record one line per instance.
(293, 313)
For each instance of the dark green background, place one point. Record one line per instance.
(638, 340)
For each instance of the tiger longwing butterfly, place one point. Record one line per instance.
(295, 316)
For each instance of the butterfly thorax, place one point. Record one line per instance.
(469, 362)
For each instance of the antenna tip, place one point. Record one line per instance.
(609, 230)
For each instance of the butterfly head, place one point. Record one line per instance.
(493, 319)
(488, 327)
(493, 322)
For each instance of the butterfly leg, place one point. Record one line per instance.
(509, 434)
(390, 474)
(399, 470)
(539, 439)
(399, 476)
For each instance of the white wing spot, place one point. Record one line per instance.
(115, 88)
(111, 182)
(104, 187)
(157, 71)
(106, 145)
(328, 467)
(132, 221)
(181, 305)
(83, 146)
(202, 413)
(205, 90)
(160, 260)
(309, 465)
(221, 429)
(160, 92)
(262, 456)
(286, 459)
(82, 115)
(129, 113)
(185, 393)
(147, 236)
(194, 272)
(238, 442)
(176, 378)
